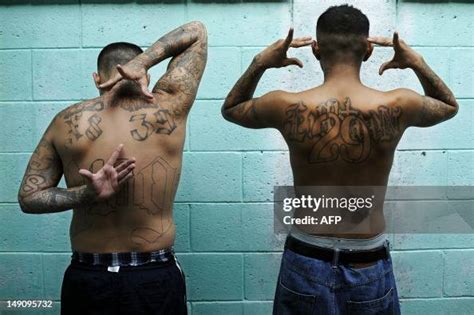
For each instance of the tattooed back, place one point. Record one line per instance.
(343, 137)
(139, 217)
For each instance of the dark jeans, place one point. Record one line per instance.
(311, 286)
(154, 288)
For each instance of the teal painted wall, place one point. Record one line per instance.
(223, 209)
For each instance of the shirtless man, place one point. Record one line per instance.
(122, 229)
(340, 133)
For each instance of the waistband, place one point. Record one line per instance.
(340, 243)
(124, 258)
(337, 256)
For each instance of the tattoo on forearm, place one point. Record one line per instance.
(337, 130)
(243, 91)
(434, 86)
(188, 47)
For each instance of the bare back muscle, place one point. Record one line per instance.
(139, 217)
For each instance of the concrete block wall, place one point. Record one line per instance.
(223, 208)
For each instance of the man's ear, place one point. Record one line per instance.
(315, 49)
(96, 78)
(149, 78)
(370, 49)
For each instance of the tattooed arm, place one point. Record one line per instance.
(38, 192)
(240, 107)
(437, 105)
(187, 45)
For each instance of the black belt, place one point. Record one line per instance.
(336, 256)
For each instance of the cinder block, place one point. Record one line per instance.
(261, 274)
(216, 227)
(263, 171)
(54, 266)
(419, 168)
(142, 24)
(457, 268)
(21, 276)
(88, 64)
(26, 124)
(57, 75)
(291, 78)
(212, 308)
(418, 274)
(213, 277)
(462, 69)
(432, 241)
(436, 24)
(26, 26)
(46, 232)
(258, 308)
(243, 24)
(181, 219)
(15, 77)
(12, 168)
(211, 132)
(258, 228)
(222, 72)
(210, 177)
(233, 227)
(458, 306)
(382, 16)
(460, 171)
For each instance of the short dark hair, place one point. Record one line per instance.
(341, 31)
(116, 53)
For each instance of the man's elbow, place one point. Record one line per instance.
(453, 110)
(202, 31)
(226, 113)
(24, 205)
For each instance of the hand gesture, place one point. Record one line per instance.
(107, 181)
(405, 56)
(274, 56)
(133, 70)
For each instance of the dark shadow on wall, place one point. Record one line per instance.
(437, 1)
(68, 2)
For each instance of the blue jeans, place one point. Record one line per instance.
(311, 286)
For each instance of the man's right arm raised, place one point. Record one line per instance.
(437, 105)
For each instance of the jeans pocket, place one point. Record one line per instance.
(288, 301)
(381, 306)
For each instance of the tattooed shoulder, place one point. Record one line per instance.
(74, 114)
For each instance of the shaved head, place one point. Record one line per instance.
(114, 54)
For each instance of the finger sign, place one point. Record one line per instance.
(125, 171)
(289, 38)
(382, 41)
(124, 165)
(115, 155)
(396, 40)
(110, 82)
